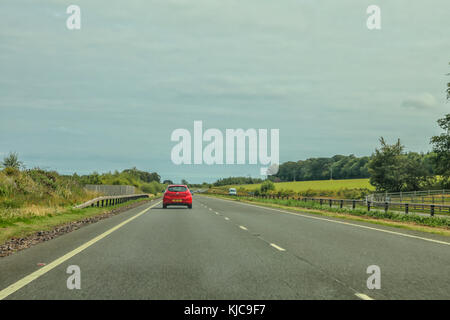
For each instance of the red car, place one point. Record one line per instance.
(177, 195)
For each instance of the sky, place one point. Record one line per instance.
(108, 96)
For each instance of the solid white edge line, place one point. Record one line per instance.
(40, 272)
(340, 222)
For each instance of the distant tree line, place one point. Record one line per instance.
(336, 167)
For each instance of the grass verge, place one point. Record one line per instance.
(414, 222)
(19, 227)
(298, 186)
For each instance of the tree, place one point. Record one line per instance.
(12, 161)
(441, 147)
(143, 175)
(387, 167)
(448, 90)
(393, 170)
(167, 182)
(417, 174)
(448, 87)
(184, 181)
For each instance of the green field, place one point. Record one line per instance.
(299, 186)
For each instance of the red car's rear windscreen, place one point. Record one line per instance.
(177, 189)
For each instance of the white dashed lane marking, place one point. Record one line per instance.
(277, 247)
(363, 296)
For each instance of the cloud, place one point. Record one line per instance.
(128, 79)
(421, 101)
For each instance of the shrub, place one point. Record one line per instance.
(12, 161)
(11, 171)
(267, 186)
(11, 203)
(46, 178)
(153, 187)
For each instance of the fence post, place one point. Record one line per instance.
(406, 208)
(321, 201)
(386, 206)
(341, 204)
(353, 204)
(368, 205)
(331, 202)
(432, 210)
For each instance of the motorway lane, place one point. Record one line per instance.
(22, 263)
(411, 268)
(172, 254)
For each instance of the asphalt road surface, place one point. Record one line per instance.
(222, 249)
